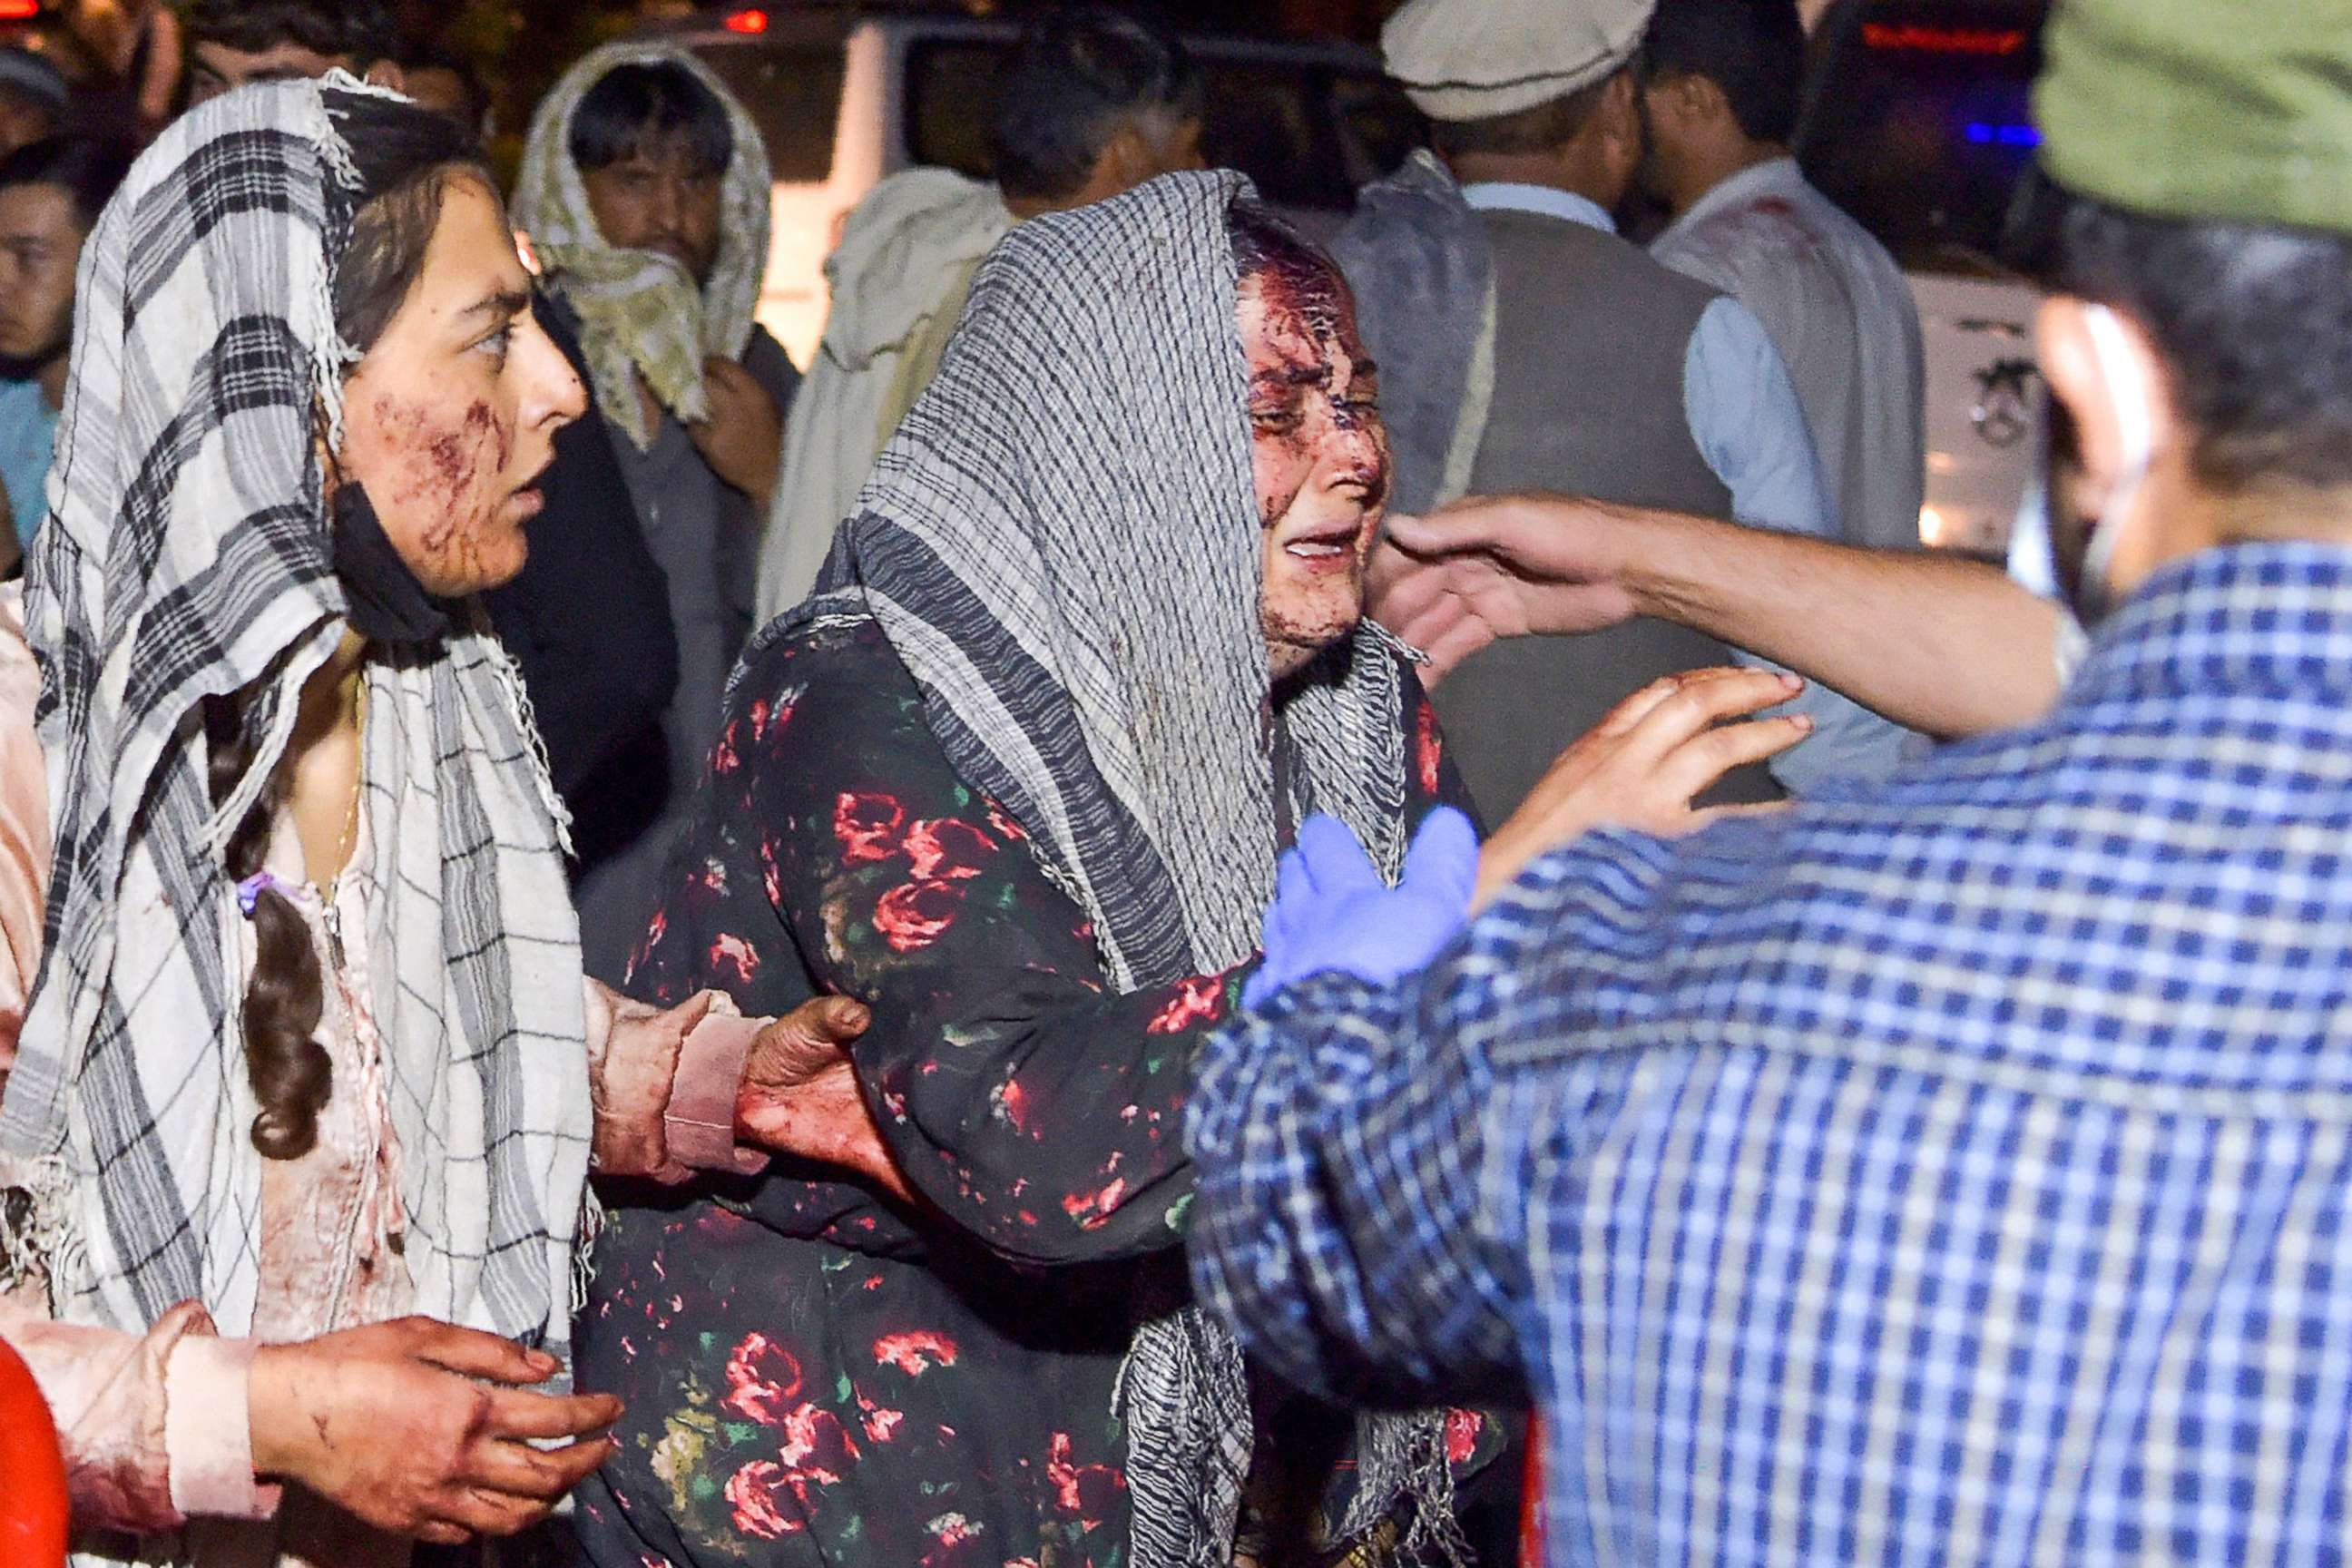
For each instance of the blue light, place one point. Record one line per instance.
(1984, 133)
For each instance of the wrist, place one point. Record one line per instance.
(751, 1099)
(1651, 553)
(271, 1410)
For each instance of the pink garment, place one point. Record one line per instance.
(24, 823)
(153, 1425)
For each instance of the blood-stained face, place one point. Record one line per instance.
(1321, 454)
(451, 417)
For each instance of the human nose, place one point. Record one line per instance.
(552, 394)
(669, 204)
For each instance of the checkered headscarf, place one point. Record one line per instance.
(186, 556)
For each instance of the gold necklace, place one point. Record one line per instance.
(329, 909)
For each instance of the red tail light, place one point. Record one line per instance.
(19, 10)
(750, 23)
(1918, 38)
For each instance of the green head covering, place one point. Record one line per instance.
(2232, 110)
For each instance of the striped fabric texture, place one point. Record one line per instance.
(1954, 1174)
(187, 555)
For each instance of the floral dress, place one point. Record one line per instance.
(814, 1375)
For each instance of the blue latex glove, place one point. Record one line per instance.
(1332, 911)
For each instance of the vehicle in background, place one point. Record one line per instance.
(1918, 121)
(844, 97)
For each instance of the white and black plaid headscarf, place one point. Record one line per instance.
(1062, 543)
(186, 556)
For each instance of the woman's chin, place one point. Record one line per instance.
(482, 566)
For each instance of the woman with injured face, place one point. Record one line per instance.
(1017, 776)
(297, 1138)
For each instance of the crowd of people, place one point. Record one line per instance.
(1200, 900)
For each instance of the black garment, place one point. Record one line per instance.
(705, 535)
(588, 620)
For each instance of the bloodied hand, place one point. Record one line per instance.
(451, 417)
(1320, 454)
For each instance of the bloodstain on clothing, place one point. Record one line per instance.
(1428, 750)
(1195, 1002)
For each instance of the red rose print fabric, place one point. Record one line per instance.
(812, 1375)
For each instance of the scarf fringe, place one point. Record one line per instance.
(1182, 1396)
(583, 1247)
(39, 1242)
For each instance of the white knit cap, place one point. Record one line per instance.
(1474, 60)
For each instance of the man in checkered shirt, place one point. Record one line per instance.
(1957, 1171)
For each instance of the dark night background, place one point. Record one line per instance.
(519, 47)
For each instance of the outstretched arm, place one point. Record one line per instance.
(1943, 644)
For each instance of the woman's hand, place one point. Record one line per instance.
(1641, 766)
(632, 1066)
(800, 1094)
(423, 1429)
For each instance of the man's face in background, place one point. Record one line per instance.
(215, 68)
(658, 196)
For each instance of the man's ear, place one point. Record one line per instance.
(387, 74)
(2095, 386)
(1124, 163)
(1699, 98)
(1620, 112)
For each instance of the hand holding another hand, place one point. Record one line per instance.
(800, 1094)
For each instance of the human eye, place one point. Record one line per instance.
(495, 344)
(1275, 416)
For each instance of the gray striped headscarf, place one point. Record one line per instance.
(1062, 545)
(186, 556)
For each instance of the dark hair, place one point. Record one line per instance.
(405, 158)
(1547, 127)
(1262, 239)
(471, 86)
(2253, 324)
(1075, 78)
(359, 30)
(1752, 49)
(635, 109)
(32, 82)
(87, 168)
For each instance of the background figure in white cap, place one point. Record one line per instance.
(1722, 82)
(1525, 346)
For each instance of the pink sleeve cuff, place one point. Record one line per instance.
(206, 1433)
(700, 1126)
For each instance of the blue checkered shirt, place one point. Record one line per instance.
(1951, 1173)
